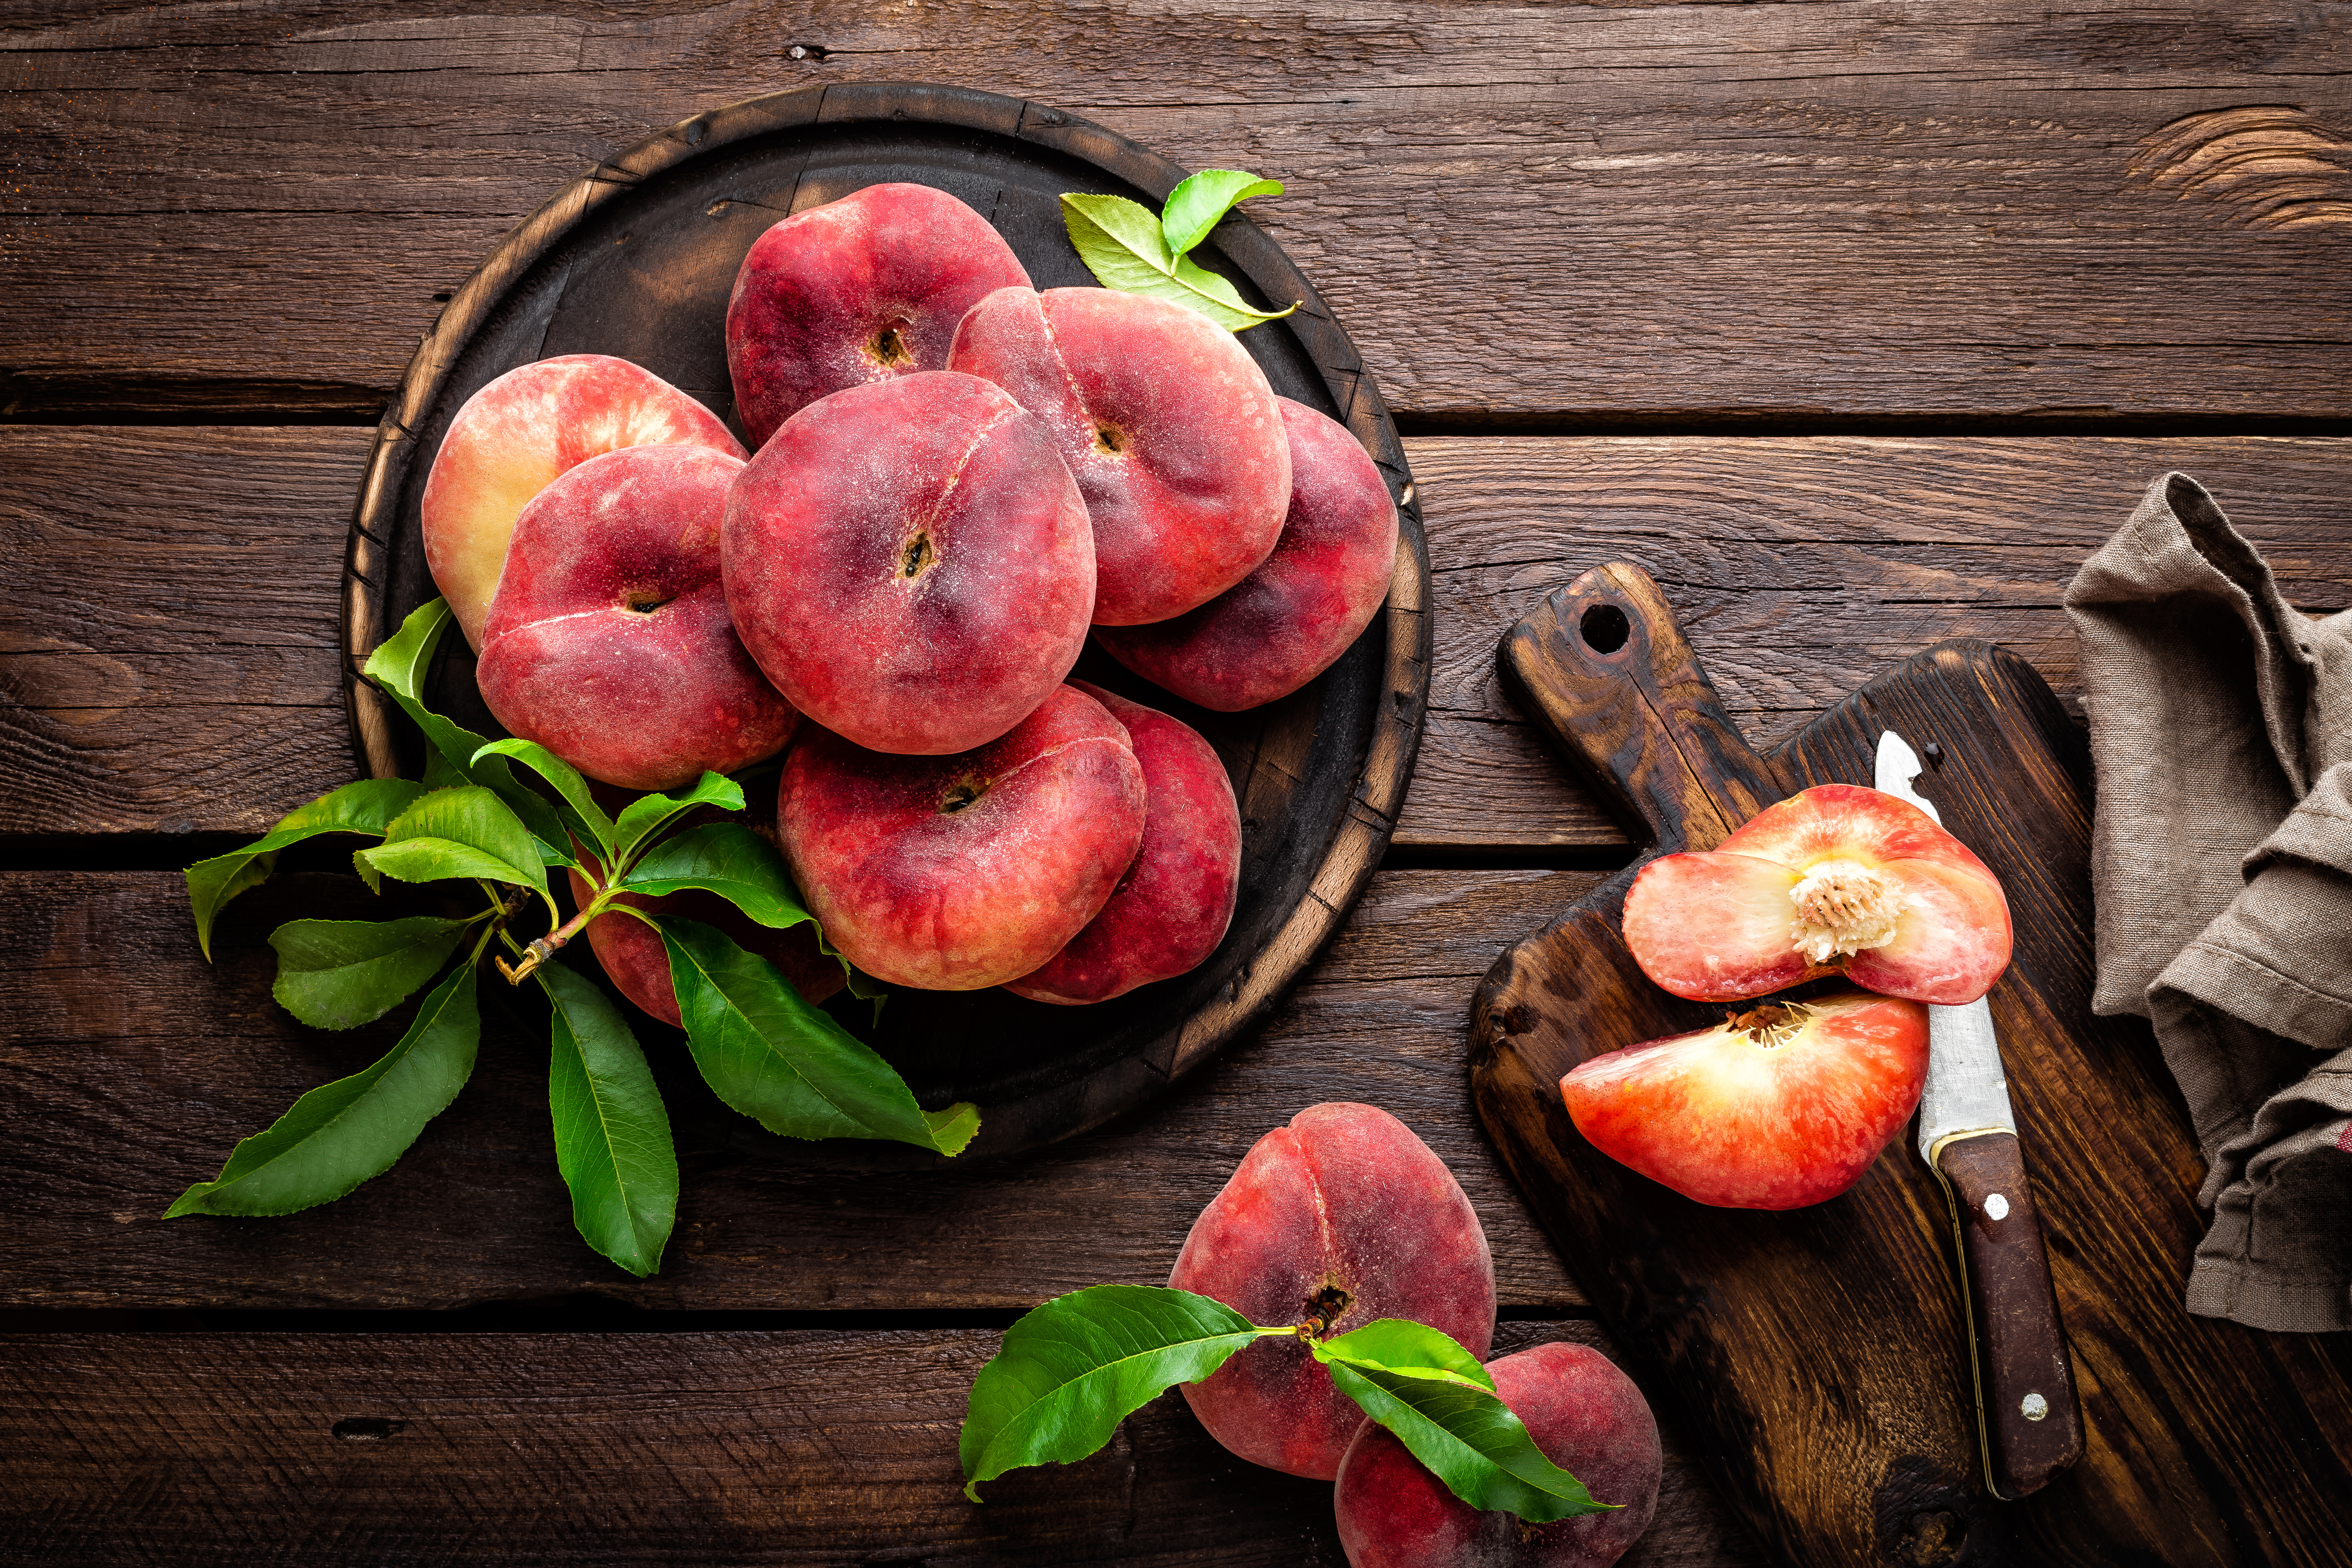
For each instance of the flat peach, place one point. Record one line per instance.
(634, 956)
(512, 438)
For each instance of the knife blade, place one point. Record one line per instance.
(2029, 1424)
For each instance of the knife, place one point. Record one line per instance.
(2029, 1424)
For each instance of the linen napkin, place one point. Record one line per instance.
(2221, 873)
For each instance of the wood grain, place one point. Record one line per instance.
(1783, 211)
(1827, 1346)
(170, 666)
(795, 1447)
(128, 1070)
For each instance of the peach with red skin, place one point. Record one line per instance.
(509, 441)
(1168, 424)
(1339, 1218)
(910, 564)
(954, 873)
(609, 642)
(1781, 1106)
(1292, 618)
(857, 290)
(1173, 903)
(637, 960)
(1585, 1415)
(1838, 878)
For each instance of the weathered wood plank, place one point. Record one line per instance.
(128, 1070)
(805, 1447)
(171, 665)
(1784, 211)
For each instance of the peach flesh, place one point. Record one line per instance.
(635, 959)
(609, 642)
(1172, 905)
(1587, 1417)
(1290, 619)
(859, 289)
(1901, 906)
(1167, 423)
(1339, 1218)
(911, 564)
(954, 873)
(511, 439)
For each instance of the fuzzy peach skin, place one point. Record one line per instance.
(954, 873)
(608, 642)
(859, 289)
(1172, 905)
(1168, 424)
(511, 439)
(1289, 620)
(1836, 877)
(910, 564)
(1341, 1218)
(634, 957)
(1585, 1415)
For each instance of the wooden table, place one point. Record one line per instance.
(1857, 325)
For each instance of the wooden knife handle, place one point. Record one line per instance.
(1602, 670)
(2027, 1415)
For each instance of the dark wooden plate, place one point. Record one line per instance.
(637, 259)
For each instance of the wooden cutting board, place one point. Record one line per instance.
(1816, 1359)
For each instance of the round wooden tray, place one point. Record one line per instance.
(637, 259)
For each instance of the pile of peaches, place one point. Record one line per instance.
(953, 480)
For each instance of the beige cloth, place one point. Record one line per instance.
(2221, 866)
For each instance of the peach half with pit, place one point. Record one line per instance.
(1168, 424)
(1176, 897)
(1780, 1105)
(1337, 1219)
(911, 564)
(1585, 1415)
(1835, 879)
(958, 872)
(859, 289)
(509, 441)
(609, 642)
(1292, 618)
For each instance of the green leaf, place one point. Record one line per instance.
(398, 668)
(1197, 205)
(367, 806)
(466, 832)
(612, 1134)
(576, 806)
(788, 1066)
(1072, 1370)
(340, 1134)
(1451, 1421)
(728, 859)
(339, 974)
(644, 816)
(1121, 244)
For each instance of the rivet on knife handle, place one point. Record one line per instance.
(2029, 1420)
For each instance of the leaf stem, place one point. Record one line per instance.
(541, 949)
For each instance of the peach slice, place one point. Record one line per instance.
(511, 439)
(857, 290)
(910, 564)
(1586, 1416)
(609, 643)
(1292, 618)
(1168, 424)
(1783, 1105)
(1337, 1219)
(1171, 908)
(955, 873)
(1838, 878)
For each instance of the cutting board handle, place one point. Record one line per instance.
(1604, 672)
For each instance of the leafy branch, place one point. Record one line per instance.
(1125, 247)
(762, 1048)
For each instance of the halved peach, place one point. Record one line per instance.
(1838, 878)
(1780, 1105)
